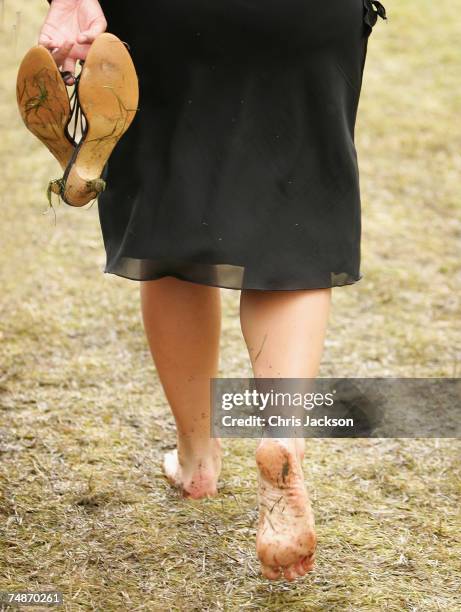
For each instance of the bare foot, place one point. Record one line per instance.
(286, 539)
(196, 476)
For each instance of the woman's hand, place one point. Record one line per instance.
(69, 29)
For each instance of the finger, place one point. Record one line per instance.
(98, 26)
(61, 53)
(79, 52)
(68, 67)
(50, 43)
(45, 41)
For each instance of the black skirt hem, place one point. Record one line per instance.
(223, 276)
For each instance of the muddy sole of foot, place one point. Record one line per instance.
(43, 102)
(286, 539)
(108, 95)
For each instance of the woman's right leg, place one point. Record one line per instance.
(284, 332)
(182, 321)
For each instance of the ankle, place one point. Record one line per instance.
(198, 449)
(294, 446)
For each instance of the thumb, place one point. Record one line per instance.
(98, 26)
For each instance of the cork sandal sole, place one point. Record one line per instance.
(108, 96)
(43, 102)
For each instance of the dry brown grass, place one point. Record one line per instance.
(84, 506)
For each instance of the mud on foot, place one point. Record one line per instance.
(286, 539)
(196, 476)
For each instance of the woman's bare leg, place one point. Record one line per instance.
(284, 332)
(182, 321)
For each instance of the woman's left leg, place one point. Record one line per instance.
(284, 332)
(182, 322)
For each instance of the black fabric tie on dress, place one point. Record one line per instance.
(373, 10)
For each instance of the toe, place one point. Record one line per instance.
(290, 573)
(300, 569)
(270, 572)
(308, 563)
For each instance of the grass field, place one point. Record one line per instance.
(84, 507)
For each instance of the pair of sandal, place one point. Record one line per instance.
(81, 131)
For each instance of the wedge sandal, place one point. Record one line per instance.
(81, 131)
(108, 94)
(44, 104)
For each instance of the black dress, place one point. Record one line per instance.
(240, 168)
